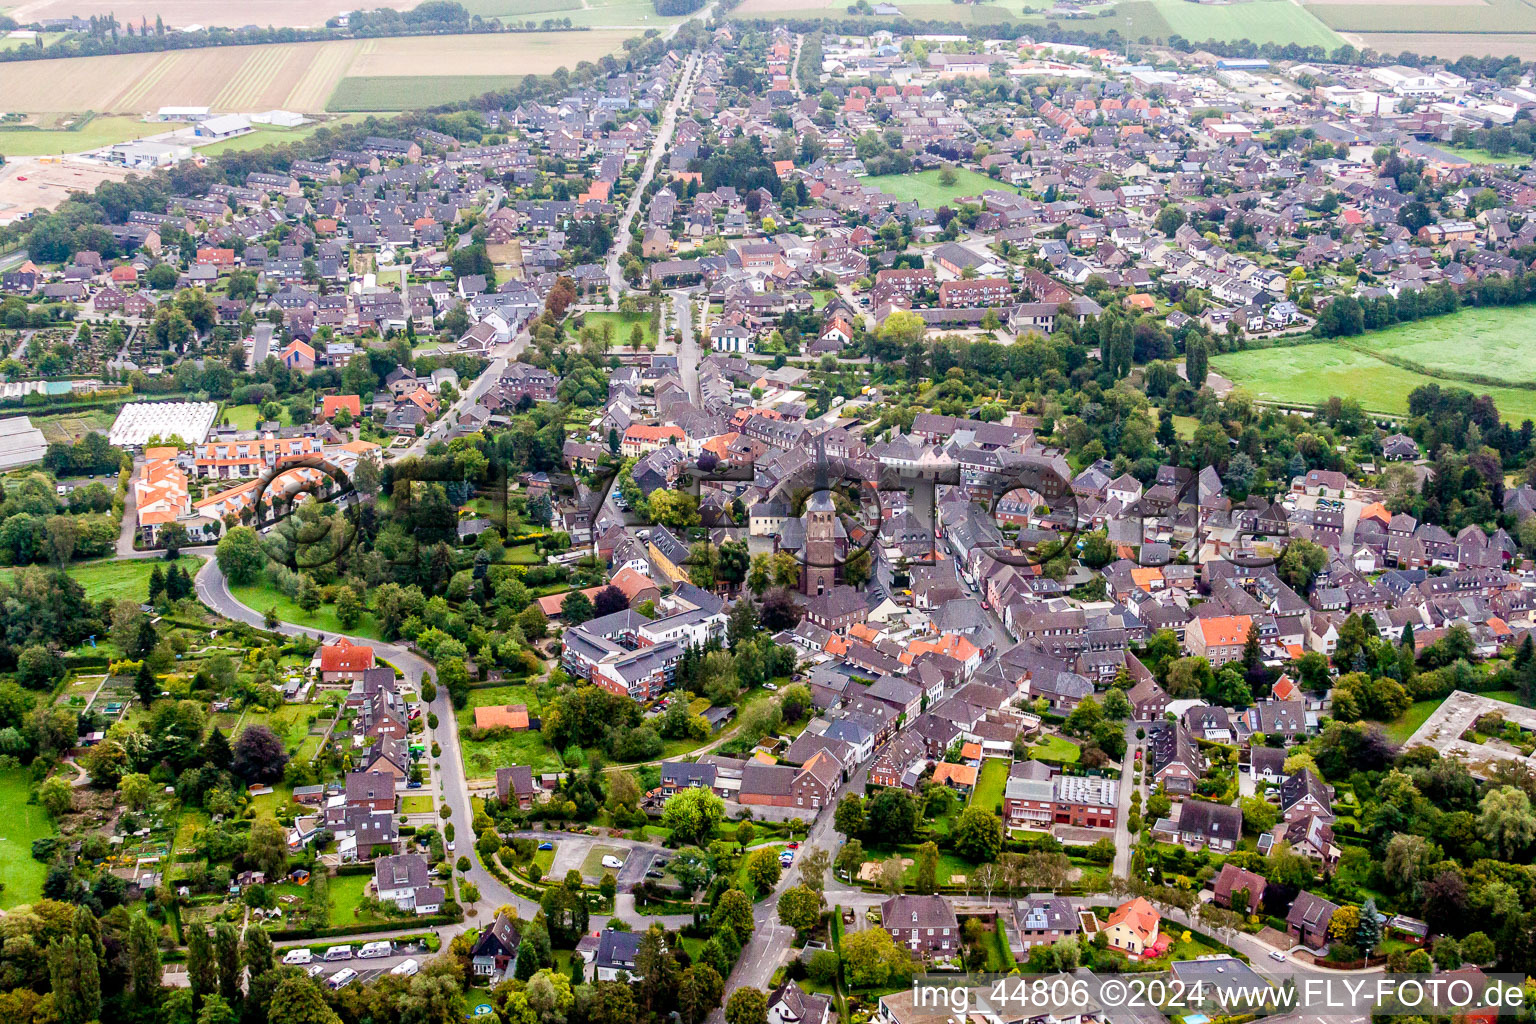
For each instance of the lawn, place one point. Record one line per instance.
(244, 417)
(924, 186)
(347, 892)
(1482, 156)
(523, 554)
(96, 133)
(416, 804)
(592, 867)
(1417, 714)
(289, 723)
(1055, 748)
(263, 595)
(1308, 375)
(990, 783)
(623, 325)
(20, 824)
(483, 757)
(107, 579)
(1507, 696)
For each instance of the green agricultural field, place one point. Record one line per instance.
(611, 14)
(383, 93)
(20, 824)
(105, 579)
(521, 9)
(623, 324)
(1489, 343)
(1261, 21)
(990, 783)
(263, 595)
(1490, 16)
(1311, 374)
(924, 186)
(94, 134)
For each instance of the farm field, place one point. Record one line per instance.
(180, 13)
(71, 427)
(1310, 374)
(1262, 21)
(383, 93)
(515, 10)
(967, 14)
(1492, 343)
(612, 13)
(1452, 45)
(924, 186)
(1455, 16)
(20, 824)
(99, 132)
(293, 76)
(105, 579)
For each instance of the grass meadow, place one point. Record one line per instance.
(20, 824)
(924, 187)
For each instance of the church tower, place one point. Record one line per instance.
(819, 573)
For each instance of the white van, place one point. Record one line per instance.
(372, 949)
(298, 956)
(406, 968)
(339, 953)
(342, 978)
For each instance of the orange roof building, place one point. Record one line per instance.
(344, 660)
(959, 776)
(160, 493)
(1133, 927)
(1218, 640)
(333, 404)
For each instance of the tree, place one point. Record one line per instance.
(1196, 361)
(349, 607)
(893, 816)
(733, 911)
(763, 870)
(871, 959)
(814, 861)
(202, 971)
(747, 1005)
(800, 908)
(56, 796)
(978, 835)
(259, 957)
(850, 858)
(1117, 706)
(144, 960)
(259, 755)
(240, 555)
(1506, 821)
(298, 1000)
(136, 790)
(692, 815)
(576, 608)
(1478, 948)
(1259, 815)
(226, 953)
(267, 846)
(927, 867)
(849, 817)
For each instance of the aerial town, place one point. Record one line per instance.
(928, 506)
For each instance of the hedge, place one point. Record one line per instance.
(427, 921)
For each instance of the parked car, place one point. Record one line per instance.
(546, 845)
(413, 785)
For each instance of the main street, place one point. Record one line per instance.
(637, 195)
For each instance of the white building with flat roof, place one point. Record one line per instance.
(140, 421)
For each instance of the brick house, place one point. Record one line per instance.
(924, 925)
(374, 791)
(1218, 640)
(1309, 918)
(344, 661)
